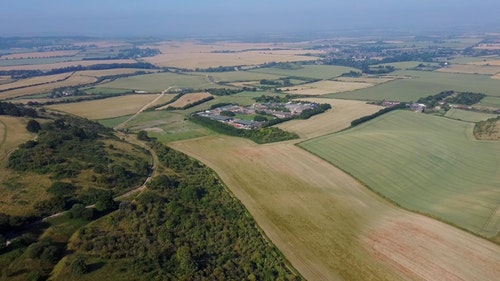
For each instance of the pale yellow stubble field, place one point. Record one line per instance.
(192, 55)
(107, 108)
(325, 87)
(50, 66)
(36, 55)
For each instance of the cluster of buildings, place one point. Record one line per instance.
(269, 110)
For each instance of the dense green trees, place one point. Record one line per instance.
(33, 126)
(185, 226)
(262, 135)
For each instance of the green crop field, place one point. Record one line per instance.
(160, 81)
(425, 83)
(468, 116)
(491, 101)
(407, 64)
(425, 163)
(240, 76)
(309, 71)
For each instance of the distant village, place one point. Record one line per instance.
(247, 117)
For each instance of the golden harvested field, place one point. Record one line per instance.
(326, 87)
(471, 69)
(37, 55)
(193, 55)
(75, 80)
(35, 81)
(335, 119)
(331, 227)
(487, 62)
(107, 108)
(50, 66)
(187, 99)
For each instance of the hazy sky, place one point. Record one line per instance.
(198, 17)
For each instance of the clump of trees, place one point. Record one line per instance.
(262, 135)
(17, 110)
(367, 118)
(464, 98)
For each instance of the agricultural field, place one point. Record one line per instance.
(424, 163)
(35, 81)
(308, 71)
(405, 65)
(336, 119)
(239, 76)
(37, 55)
(192, 55)
(325, 87)
(471, 69)
(107, 108)
(160, 81)
(50, 66)
(74, 80)
(329, 226)
(423, 84)
(490, 102)
(468, 116)
(188, 99)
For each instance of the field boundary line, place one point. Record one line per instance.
(394, 203)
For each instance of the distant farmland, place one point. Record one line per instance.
(107, 108)
(160, 81)
(424, 163)
(425, 83)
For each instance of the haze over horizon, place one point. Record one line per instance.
(198, 18)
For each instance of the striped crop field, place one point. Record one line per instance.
(468, 116)
(308, 71)
(424, 163)
(423, 84)
(330, 227)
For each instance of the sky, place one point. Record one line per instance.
(238, 17)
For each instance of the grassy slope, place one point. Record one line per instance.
(423, 163)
